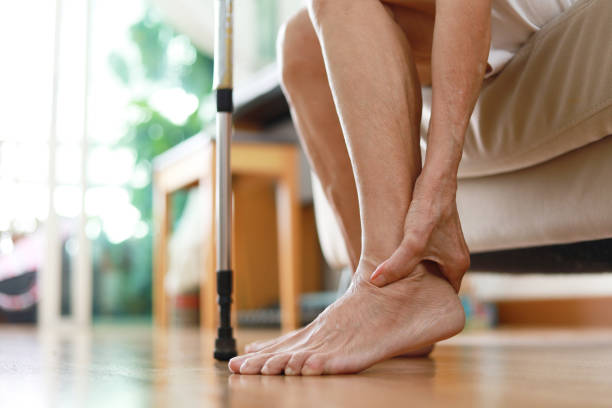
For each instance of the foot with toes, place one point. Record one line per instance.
(365, 326)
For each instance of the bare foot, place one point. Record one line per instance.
(296, 334)
(262, 344)
(366, 325)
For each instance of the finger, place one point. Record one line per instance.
(401, 263)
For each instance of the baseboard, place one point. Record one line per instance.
(506, 287)
(564, 312)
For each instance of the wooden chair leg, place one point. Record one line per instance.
(289, 245)
(162, 210)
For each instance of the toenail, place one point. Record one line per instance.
(244, 366)
(307, 370)
(290, 371)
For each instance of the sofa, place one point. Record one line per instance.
(537, 163)
(535, 181)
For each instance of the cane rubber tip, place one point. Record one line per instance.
(225, 348)
(224, 355)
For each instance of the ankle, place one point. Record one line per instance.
(367, 265)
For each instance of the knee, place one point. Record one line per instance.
(297, 49)
(320, 9)
(333, 10)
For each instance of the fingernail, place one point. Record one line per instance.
(378, 279)
(376, 272)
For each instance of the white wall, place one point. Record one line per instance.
(195, 19)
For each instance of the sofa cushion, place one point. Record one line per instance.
(563, 200)
(553, 97)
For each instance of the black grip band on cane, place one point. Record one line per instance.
(225, 100)
(225, 344)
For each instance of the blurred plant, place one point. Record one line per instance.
(172, 83)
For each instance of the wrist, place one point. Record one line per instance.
(434, 199)
(438, 180)
(444, 151)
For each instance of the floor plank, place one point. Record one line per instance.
(140, 367)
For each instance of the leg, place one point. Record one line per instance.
(305, 84)
(382, 136)
(312, 109)
(379, 105)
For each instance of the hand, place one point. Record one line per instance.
(432, 232)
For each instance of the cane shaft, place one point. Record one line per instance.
(225, 345)
(223, 190)
(224, 39)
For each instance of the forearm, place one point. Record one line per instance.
(459, 60)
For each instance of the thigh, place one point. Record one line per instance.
(416, 19)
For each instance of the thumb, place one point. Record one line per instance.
(399, 265)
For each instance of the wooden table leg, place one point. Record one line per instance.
(289, 243)
(162, 210)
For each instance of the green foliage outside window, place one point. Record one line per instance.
(167, 60)
(151, 134)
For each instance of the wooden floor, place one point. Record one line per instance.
(139, 367)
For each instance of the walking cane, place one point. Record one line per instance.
(225, 345)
